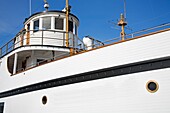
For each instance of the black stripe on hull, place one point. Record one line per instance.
(143, 66)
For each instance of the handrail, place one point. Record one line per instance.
(136, 34)
(14, 43)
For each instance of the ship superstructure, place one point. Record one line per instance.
(47, 68)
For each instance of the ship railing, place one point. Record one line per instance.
(42, 38)
(134, 35)
(12, 44)
(148, 30)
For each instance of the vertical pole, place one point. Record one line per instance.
(125, 9)
(123, 32)
(28, 34)
(7, 48)
(42, 41)
(30, 7)
(67, 27)
(0, 52)
(15, 63)
(122, 23)
(21, 38)
(67, 23)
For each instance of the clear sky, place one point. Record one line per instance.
(96, 16)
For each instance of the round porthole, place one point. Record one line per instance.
(152, 86)
(44, 100)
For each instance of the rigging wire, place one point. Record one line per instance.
(3, 39)
(152, 19)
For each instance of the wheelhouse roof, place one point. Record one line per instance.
(51, 11)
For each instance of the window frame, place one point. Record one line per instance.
(44, 27)
(55, 24)
(34, 27)
(71, 26)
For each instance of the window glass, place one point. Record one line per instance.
(71, 26)
(36, 25)
(10, 63)
(28, 26)
(59, 23)
(46, 23)
(76, 29)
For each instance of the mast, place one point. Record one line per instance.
(122, 23)
(68, 7)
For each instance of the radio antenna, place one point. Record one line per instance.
(30, 7)
(125, 9)
(122, 22)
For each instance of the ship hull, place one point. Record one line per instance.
(106, 80)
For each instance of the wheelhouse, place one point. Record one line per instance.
(43, 39)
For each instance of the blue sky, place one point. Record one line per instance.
(96, 16)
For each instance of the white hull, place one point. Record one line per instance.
(124, 94)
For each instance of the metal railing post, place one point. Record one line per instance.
(63, 39)
(6, 48)
(42, 37)
(0, 52)
(13, 44)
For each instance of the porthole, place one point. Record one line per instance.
(44, 100)
(152, 86)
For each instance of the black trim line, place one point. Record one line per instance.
(143, 66)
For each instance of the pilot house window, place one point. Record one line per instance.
(59, 23)
(71, 26)
(46, 23)
(36, 25)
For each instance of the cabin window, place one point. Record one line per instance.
(28, 26)
(46, 23)
(76, 29)
(1, 107)
(59, 23)
(36, 25)
(71, 26)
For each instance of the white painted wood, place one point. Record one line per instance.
(15, 63)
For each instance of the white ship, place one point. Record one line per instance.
(46, 68)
